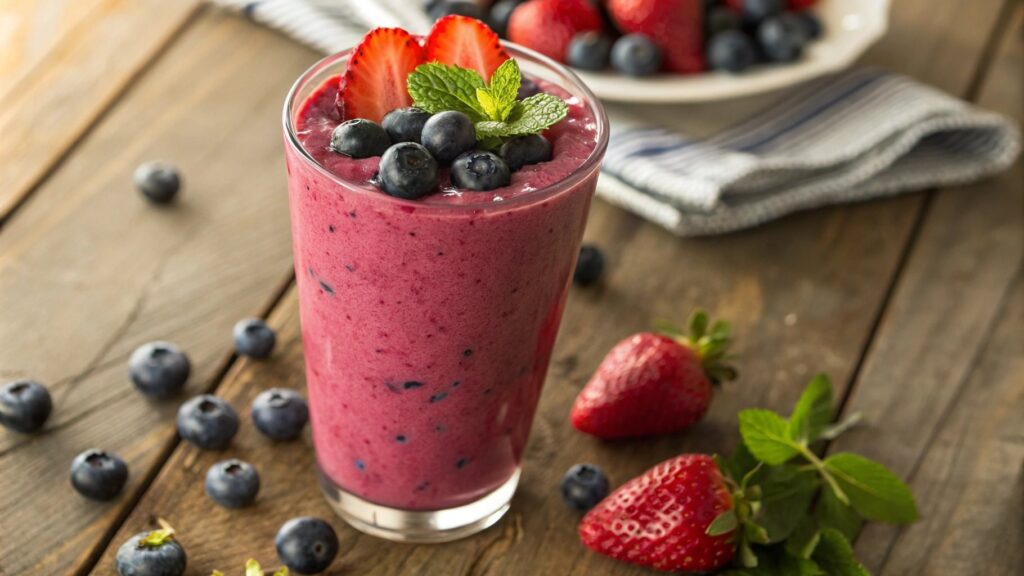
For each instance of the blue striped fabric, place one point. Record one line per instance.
(856, 135)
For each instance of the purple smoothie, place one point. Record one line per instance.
(428, 325)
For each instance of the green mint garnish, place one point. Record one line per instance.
(492, 106)
(795, 512)
(157, 538)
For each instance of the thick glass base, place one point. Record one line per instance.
(422, 526)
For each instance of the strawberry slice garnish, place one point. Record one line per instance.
(466, 42)
(375, 82)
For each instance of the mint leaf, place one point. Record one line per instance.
(831, 513)
(504, 87)
(804, 539)
(797, 566)
(437, 87)
(723, 524)
(813, 411)
(835, 555)
(764, 433)
(530, 116)
(742, 461)
(786, 495)
(874, 492)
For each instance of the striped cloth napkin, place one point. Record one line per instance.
(852, 136)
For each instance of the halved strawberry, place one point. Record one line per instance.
(375, 82)
(466, 42)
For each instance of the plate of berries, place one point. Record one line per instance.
(663, 51)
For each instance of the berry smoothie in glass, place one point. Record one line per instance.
(432, 272)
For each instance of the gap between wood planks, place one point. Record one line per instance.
(53, 165)
(986, 61)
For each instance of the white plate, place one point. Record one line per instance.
(851, 26)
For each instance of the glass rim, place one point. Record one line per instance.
(579, 174)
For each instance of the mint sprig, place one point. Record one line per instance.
(493, 107)
(795, 512)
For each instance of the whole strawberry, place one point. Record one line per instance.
(548, 26)
(660, 519)
(652, 384)
(676, 26)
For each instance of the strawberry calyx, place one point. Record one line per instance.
(740, 520)
(709, 340)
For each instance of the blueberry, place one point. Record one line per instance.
(208, 422)
(407, 170)
(583, 486)
(589, 266)
(720, 19)
(636, 55)
(480, 171)
(811, 24)
(589, 51)
(280, 413)
(782, 38)
(98, 475)
(500, 14)
(359, 138)
(306, 545)
(24, 405)
(159, 369)
(232, 483)
(732, 51)
(448, 134)
(460, 7)
(523, 150)
(158, 182)
(253, 338)
(405, 124)
(757, 11)
(527, 88)
(151, 554)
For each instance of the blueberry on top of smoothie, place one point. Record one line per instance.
(360, 138)
(405, 124)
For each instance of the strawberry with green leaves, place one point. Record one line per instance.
(774, 507)
(655, 383)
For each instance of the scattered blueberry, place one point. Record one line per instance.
(253, 338)
(24, 405)
(721, 18)
(158, 182)
(405, 124)
(407, 170)
(98, 475)
(527, 88)
(280, 413)
(811, 24)
(523, 150)
(359, 138)
(636, 55)
(232, 483)
(583, 486)
(732, 51)
(782, 38)
(159, 369)
(306, 545)
(589, 51)
(500, 13)
(151, 554)
(207, 422)
(461, 7)
(448, 134)
(589, 266)
(757, 11)
(480, 171)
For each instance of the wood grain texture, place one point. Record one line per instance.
(62, 64)
(942, 313)
(802, 294)
(89, 271)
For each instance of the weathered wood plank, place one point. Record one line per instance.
(88, 271)
(802, 294)
(62, 64)
(943, 309)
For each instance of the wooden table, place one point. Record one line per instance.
(914, 305)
